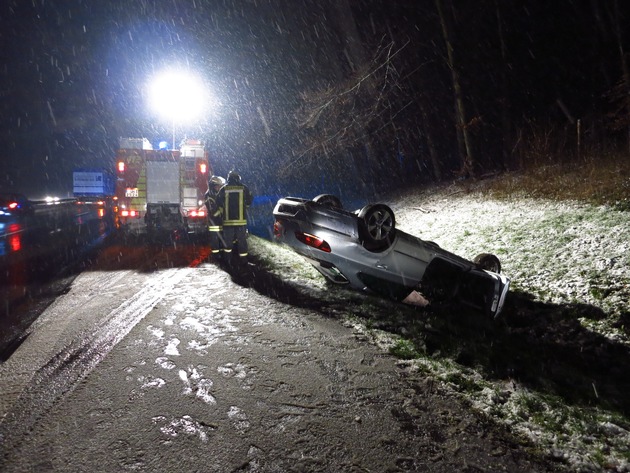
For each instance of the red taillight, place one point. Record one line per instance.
(203, 168)
(121, 166)
(124, 213)
(197, 213)
(133, 213)
(13, 205)
(312, 240)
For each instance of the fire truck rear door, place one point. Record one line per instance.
(162, 182)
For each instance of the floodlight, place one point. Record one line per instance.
(177, 96)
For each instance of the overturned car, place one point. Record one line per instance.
(365, 250)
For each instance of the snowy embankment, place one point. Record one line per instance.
(560, 252)
(564, 253)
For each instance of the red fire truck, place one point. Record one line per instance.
(161, 191)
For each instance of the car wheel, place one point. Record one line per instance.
(488, 261)
(328, 200)
(376, 226)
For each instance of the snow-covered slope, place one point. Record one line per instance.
(561, 252)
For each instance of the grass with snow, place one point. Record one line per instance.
(561, 252)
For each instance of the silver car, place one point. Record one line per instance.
(365, 250)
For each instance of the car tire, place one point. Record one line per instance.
(377, 226)
(488, 261)
(329, 200)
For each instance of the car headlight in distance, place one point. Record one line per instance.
(313, 241)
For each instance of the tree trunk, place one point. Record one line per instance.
(463, 138)
(625, 69)
(435, 161)
(506, 123)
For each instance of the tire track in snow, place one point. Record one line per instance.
(69, 366)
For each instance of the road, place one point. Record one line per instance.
(39, 255)
(158, 360)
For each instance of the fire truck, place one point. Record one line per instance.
(160, 191)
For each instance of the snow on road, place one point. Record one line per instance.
(221, 377)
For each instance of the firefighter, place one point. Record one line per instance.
(215, 217)
(234, 198)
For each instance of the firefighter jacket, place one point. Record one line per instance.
(233, 199)
(215, 221)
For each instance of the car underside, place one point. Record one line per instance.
(364, 250)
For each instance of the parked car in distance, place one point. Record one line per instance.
(14, 205)
(365, 250)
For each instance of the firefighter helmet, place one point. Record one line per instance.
(216, 181)
(234, 178)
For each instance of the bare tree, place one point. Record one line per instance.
(622, 91)
(351, 115)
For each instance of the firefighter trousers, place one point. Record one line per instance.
(215, 237)
(216, 241)
(235, 236)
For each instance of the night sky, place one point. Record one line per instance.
(75, 73)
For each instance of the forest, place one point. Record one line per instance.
(396, 93)
(467, 89)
